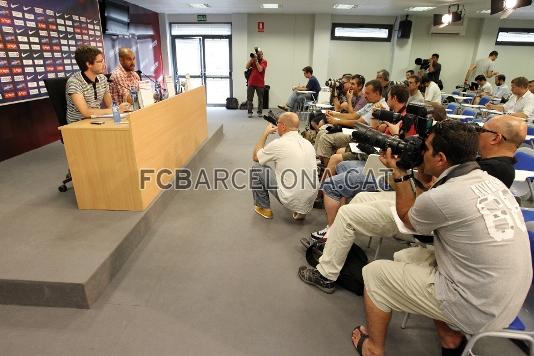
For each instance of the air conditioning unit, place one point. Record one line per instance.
(455, 28)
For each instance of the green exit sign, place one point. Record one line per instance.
(202, 18)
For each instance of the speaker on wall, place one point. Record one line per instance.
(405, 29)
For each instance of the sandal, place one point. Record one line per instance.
(363, 337)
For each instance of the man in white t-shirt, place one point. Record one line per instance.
(483, 66)
(521, 103)
(484, 88)
(432, 92)
(293, 180)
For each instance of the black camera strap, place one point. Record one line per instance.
(458, 171)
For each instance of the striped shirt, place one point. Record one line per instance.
(92, 92)
(121, 82)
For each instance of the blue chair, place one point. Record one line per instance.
(452, 108)
(484, 100)
(530, 130)
(516, 330)
(469, 112)
(525, 159)
(456, 92)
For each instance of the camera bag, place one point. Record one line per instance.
(350, 276)
(232, 103)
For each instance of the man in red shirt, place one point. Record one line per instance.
(256, 81)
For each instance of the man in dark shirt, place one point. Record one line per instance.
(499, 138)
(434, 70)
(297, 98)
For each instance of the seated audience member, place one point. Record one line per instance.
(296, 100)
(531, 86)
(369, 213)
(484, 88)
(481, 275)
(124, 78)
(501, 89)
(432, 92)
(408, 74)
(383, 77)
(413, 88)
(326, 144)
(355, 94)
(339, 99)
(521, 103)
(291, 153)
(87, 91)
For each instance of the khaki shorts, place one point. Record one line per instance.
(403, 287)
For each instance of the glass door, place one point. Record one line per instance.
(207, 60)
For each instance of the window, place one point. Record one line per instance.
(361, 32)
(515, 37)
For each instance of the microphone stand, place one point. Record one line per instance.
(157, 85)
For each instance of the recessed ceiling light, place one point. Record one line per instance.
(199, 6)
(344, 6)
(270, 6)
(484, 11)
(420, 8)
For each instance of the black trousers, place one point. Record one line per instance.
(250, 96)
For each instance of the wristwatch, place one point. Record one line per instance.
(403, 178)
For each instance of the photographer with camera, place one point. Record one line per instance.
(293, 180)
(255, 67)
(481, 274)
(338, 92)
(330, 138)
(296, 100)
(434, 68)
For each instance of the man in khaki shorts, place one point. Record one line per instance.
(483, 267)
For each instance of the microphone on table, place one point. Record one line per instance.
(157, 85)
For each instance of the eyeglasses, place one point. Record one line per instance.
(483, 129)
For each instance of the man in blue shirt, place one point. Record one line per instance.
(296, 100)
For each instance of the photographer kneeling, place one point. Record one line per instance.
(293, 180)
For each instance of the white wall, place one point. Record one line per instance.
(291, 42)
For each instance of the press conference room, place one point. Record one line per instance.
(301, 177)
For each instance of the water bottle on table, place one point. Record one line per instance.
(116, 113)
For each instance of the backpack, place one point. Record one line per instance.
(243, 106)
(232, 103)
(350, 276)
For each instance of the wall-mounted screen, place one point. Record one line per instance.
(38, 40)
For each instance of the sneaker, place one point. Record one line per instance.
(283, 107)
(312, 276)
(298, 216)
(319, 235)
(265, 212)
(250, 115)
(260, 113)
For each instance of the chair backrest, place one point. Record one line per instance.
(525, 158)
(324, 96)
(530, 130)
(56, 88)
(469, 112)
(484, 100)
(452, 107)
(455, 92)
(374, 165)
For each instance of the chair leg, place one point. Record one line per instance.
(405, 320)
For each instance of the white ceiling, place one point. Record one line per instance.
(364, 7)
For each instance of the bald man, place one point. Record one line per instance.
(123, 78)
(286, 168)
(498, 140)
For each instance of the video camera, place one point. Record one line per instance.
(335, 85)
(271, 118)
(255, 53)
(424, 64)
(410, 149)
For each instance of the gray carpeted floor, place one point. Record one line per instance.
(214, 278)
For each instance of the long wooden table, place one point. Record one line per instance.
(106, 160)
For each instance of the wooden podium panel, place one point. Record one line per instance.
(106, 160)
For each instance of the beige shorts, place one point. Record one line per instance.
(403, 287)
